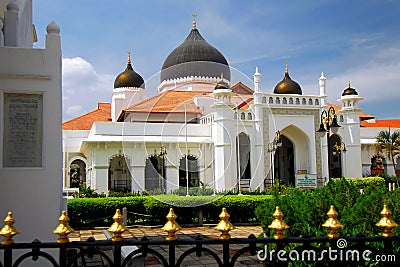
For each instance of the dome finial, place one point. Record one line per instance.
(222, 76)
(129, 56)
(194, 21)
(349, 84)
(287, 67)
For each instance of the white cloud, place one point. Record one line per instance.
(83, 87)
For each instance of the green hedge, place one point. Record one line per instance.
(93, 212)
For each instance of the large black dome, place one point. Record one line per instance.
(129, 78)
(288, 86)
(195, 57)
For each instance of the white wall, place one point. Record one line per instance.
(34, 193)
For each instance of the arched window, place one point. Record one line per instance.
(77, 173)
(189, 171)
(119, 177)
(154, 173)
(243, 156)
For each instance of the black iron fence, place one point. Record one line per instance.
(223, 251)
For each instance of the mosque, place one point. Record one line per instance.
(200, 129)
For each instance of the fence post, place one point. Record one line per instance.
(124, 216)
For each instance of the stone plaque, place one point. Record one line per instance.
(23, 129)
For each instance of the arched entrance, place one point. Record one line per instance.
(284, 162)
(192, 173)
(243, 159)
(77, 173)
(155, 173)
(334, 159)
(119, 176)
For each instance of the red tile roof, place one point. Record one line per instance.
(381, 124)
(240, 88)
(171, 101)
(85, 121)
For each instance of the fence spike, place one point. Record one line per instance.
(171, 226)
(8, 230)
(278, 224)
(386, 222)
(224, 226)
(332, 224)
(63, 229)
(117, 228)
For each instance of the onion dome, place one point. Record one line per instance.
(349, 91)
(194, 57)
(287, 85)
(129, 78)
(222, 84)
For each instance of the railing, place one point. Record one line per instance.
(279, 250)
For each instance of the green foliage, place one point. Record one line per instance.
(305, 211)
(91, 212)
(363, 182)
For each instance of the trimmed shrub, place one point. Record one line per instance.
(93, 212)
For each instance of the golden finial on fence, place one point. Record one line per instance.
(332, 224)
(8, 230)
(278, 224)
(386, 222)
(63, 229)
(117, 228)
(171, 227)
(224, 226)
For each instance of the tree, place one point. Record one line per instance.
(390, 143)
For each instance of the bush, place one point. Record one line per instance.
(92, 212)
(363, 182)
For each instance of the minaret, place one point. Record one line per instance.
(258, 169)
(224, 137)
(322, 90)
(349, 119)
(128, 90)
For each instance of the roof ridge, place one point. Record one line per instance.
(87, 113)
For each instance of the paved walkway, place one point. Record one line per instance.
(155, 233)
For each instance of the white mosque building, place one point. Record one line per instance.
(201, 129)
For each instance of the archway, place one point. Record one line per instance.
(77, 173)
(119, 177)
(284, 162)
(334, 159)
(154, 173)
(243, 159)
(190, 175)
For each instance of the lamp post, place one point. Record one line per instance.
(162, 154)
(271, 148)
(328, 123)
(337, 149)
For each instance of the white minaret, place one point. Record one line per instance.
(224, 137)
(128, 90)
(349, 119)
(322, 89)
(257, 154)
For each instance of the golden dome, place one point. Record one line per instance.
(287, 85)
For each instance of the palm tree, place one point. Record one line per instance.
(390, 143)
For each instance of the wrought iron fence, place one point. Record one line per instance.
(331, 250)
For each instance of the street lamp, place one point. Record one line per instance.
(337, 149)
(162, 154)
(271, 148)
(328, 123)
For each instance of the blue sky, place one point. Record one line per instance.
(347, 40)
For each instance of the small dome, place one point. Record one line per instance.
(194, 57)
(349, 91)
(222, 84)
(287, 85)
(129, 78)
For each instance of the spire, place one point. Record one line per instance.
(349, 84)
(129, 57)
(287, 68)
(194, 21)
